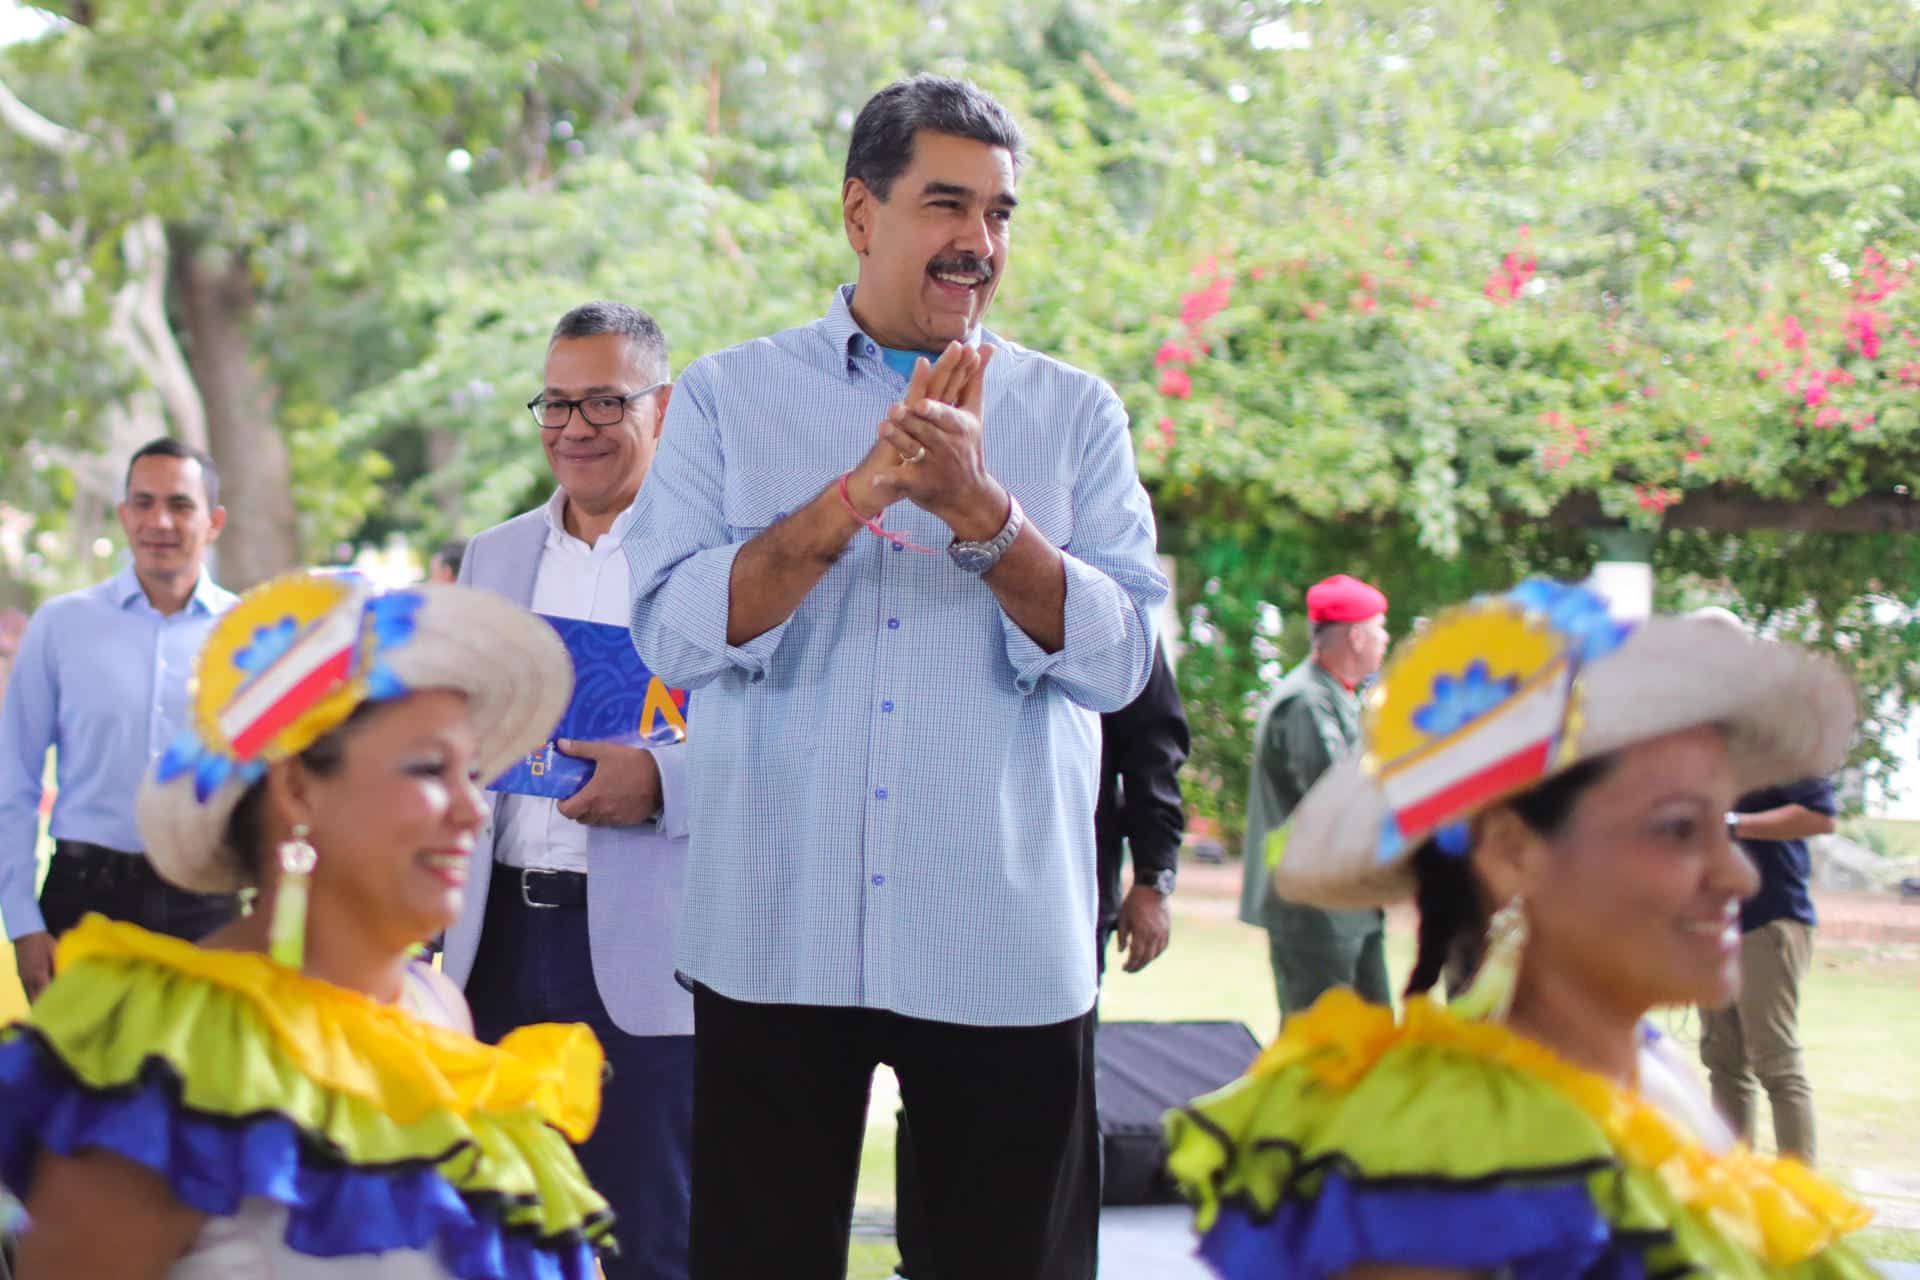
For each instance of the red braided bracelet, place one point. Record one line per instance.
(872, 523)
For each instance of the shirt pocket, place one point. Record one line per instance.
(755, 499)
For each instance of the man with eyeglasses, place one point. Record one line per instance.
(572, 906)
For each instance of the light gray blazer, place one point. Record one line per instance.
(635, 875)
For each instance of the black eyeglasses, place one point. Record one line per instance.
(599, 411)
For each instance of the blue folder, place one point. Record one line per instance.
(615, 699)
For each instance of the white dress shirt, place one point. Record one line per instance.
(574, 581)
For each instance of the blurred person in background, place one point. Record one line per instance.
(101, 679)
(1311, 720)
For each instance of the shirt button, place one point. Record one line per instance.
(872, 350)
(899, 546)
(887, 705)
(779, 515)
(879, 879)
(879, 793)
(893, 624)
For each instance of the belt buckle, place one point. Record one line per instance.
(527, 874)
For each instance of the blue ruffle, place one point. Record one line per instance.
(1538, 1231)
(213, 1163)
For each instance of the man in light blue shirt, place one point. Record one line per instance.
(102, 677)
(899, 640)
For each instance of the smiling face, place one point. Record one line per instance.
(601, 467)
(167, 520)
(394, 821)
(1635, 899)
(931, 253)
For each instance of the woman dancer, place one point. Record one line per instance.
(298, 1096)
(1555, 782)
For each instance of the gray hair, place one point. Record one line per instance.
(591, 319)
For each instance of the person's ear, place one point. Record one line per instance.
(856, 211)
(216, 521)
(1506, 855)
(290, 794)
(660, 399)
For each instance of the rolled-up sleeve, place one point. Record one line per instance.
(672, 763)
(1114, 583)
(27, 723)
(680, 552)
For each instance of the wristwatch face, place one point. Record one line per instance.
(1163, 883)
(974, 557)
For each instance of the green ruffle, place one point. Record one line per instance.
(1438, 1116)
(113, 1022)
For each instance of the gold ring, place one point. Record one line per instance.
(920, 456)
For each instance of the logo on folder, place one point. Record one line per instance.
(615, 699)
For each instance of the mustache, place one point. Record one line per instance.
(964, 264)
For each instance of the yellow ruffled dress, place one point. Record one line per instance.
(367, 1131)
(1433, 1141)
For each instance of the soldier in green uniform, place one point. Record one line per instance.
(1312, 719)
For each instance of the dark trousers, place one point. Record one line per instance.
(780, 1105)
(534, 966)
(88, 878)
(1078, 1255)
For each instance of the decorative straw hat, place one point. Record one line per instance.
(1500, 694)
(294, 658)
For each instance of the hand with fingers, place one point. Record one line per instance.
(624, 790)
(940, 444)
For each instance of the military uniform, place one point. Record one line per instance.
(1311, 720)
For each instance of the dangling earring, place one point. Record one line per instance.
(287, 935)
(1490, 994)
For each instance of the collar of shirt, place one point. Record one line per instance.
(208, 597)
(845, 333)
(557, 535)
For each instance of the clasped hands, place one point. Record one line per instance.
(929, 449)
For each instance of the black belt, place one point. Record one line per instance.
(547, 888)
(100, 865)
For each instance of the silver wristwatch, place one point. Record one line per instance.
(978, 557)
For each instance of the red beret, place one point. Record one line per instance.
(1343, 599)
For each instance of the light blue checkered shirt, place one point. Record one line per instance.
(892, 791)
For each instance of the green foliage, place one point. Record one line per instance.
(1382, 286)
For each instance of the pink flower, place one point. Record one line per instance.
(1705, 439)
(1910, 373)
(1364, 303)
(1258, 273)
(1792, 336)
(1313, 310)
(1762, 373)
(1202, 305)
(1694, 455)
(1176, 383)
(1827, 417)
(1207, 268)
(1510, 277)
(1815, 395)
(1863, 333)
(1172, 353)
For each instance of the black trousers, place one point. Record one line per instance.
(1078, 1255)
(779, 1112)
(84, 878)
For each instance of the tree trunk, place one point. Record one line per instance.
(215, 294)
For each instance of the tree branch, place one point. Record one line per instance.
(1733, 513)
(36, 128)
(140, 327)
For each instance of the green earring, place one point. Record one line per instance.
(287, 935)
(1490, 994)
